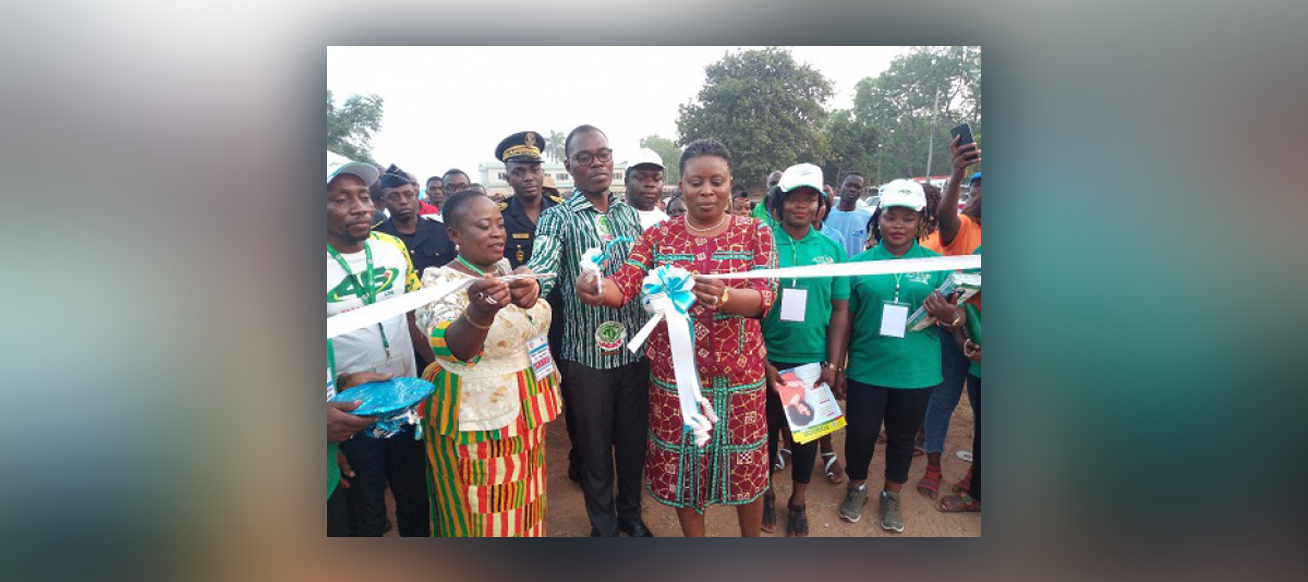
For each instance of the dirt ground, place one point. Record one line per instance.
(566, 514)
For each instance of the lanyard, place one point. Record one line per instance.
(471, 266)
(369, 293)
(897, 276)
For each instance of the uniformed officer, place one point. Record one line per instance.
(520, 153)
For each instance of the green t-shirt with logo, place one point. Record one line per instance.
(804, 342)
(912, 361)
(333, 471)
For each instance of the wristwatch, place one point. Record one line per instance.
(830, 365)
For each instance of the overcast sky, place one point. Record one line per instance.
(448, 107)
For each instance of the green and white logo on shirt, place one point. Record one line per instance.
(383, 280)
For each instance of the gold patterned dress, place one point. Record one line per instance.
(484, 424)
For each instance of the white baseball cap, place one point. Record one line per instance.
(646, 156)
(906, 193)
(801, 175)
(338, 164)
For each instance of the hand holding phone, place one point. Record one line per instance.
(964, 150)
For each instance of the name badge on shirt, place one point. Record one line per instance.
(541, 363)
(793, 304)
(602, 229)
(894, 319)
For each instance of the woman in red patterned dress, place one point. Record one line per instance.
(732, 468)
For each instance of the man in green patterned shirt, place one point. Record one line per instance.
(606, 385)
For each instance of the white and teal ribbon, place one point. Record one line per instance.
(343, 323)
(859, 268)
(666, 293)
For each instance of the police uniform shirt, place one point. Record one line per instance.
(429, 246)
(519, 230)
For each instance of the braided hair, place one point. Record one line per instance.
(929, 221)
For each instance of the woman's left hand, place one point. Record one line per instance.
(524, 292)
(709, 291)
(940, 308)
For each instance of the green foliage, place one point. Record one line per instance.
(853, 142)
(554, 146)
(765, 107)
(350, 127)
(671, 154)
(930, 83)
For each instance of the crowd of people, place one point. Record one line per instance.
(536, 335)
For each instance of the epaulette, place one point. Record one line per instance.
(502, 205)
(557, 199)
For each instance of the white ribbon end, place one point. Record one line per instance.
(640, 337)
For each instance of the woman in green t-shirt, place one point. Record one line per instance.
(808, 327)
(892, 370)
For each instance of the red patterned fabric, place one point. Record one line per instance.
(732, 468)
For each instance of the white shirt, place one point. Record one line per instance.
(362, 350)
(650, 218)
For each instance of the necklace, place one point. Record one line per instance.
(724, 218)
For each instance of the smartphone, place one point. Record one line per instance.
(964, 130)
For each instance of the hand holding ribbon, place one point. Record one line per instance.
(667, 292)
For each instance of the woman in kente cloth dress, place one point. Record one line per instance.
(484, 424)
(732, 468)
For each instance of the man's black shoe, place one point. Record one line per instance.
(635, 529)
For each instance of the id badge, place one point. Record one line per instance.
(602, 229)
(894, 319)
(793, 303)
(542, 365)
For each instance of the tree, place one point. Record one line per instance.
(929, 84)
(671, 154)
(554, 146)
(765, 107)
(351, 126)
(853, 143)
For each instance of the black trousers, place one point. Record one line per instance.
(611, 413)
(338, 514)
(401, 463)
(867, 406)
(802, 456)
(974, 394)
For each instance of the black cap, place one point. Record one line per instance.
(523, 146)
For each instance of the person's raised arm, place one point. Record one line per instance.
(464, 337)
(947, 212)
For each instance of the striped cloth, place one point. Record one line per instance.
(484, 423)
(563, 234)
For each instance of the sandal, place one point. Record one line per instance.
(963, 485)
(769, 511)
(797, 527)
(781, 459)
(959, 504)
(929, 484)
(835, 473)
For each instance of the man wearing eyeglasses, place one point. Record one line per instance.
(606, 384)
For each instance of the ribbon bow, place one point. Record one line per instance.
(666, 293)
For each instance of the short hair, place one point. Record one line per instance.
(848, 174)
(704, 147)
(455, 210)
(453, 171)
(435, 179)
(580, 129)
